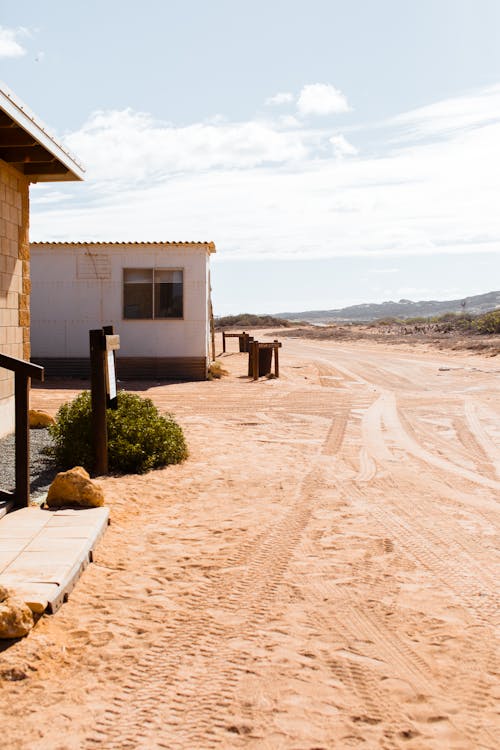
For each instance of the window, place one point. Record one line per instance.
(150, 293)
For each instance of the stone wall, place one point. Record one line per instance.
(14, 282)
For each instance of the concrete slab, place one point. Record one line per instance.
(44, 552)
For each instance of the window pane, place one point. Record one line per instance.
(137, 275)
(168, 277)
(168, 300)
(137, 300)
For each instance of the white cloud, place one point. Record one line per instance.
(9, 44)
(342, 147)
(260, 190)
(321, 99)
(282, 97)
(126, 145)
(49, 197)
(451, 115)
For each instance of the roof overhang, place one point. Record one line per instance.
(26, 145)
(209, 247)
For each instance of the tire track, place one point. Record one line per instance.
(481, 436)
(201, 636)
(467, 588)
(335, 436)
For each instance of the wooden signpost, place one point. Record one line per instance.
(103, 344)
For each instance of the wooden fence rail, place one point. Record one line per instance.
(244, 338)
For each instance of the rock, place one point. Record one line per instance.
(16, 619)
(13, 674)
(36, 602)
(74, 487)
(39, 419)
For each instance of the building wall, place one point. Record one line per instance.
(77, 287)
(14, 283)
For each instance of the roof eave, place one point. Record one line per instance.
(22, 117)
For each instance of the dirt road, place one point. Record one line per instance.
(321, 573)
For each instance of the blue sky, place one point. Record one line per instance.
(335, 152)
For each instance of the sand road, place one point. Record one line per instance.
(321, 573)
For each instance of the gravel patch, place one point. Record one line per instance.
(42, 468)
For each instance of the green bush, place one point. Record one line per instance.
(488, 323)
(139, 438)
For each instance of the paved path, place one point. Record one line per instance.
(44, 552)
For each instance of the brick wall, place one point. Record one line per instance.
(14, 277)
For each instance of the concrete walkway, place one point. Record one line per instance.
(44, 552)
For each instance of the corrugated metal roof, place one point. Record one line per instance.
(19, 117)
(209, 245)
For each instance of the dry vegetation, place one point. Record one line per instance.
(246, 320)
(450, 331)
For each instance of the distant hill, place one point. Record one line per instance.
(405, 308)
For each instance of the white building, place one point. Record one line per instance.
(155, 294)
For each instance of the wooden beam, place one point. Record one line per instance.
(99, 400)
(22, 154)
(22, 391)
(49, 167)
(270, 345)
(15, 137)
(5, 120)
(255, 359)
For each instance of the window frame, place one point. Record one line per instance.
(153, 269)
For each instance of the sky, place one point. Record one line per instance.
(336, 152)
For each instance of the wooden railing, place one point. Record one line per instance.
(244, 340)
(23, 372)
(260, 357)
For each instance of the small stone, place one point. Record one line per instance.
(39, 419)
(16, 619)
(74, 487)
(13, 674)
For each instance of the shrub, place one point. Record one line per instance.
(216, 371)
(488, 323)
(247, 320)
(139, 438)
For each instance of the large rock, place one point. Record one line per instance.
(74, 487)
(16, 619)
(39, 419)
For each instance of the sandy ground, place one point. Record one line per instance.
(319, 574)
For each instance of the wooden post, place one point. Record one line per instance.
(255, 359)
(99, 397)
(223, 342)
(212, 328)
(276, 360)
(23, 372)
(22, 389)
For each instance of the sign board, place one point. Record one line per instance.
(110, 375)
